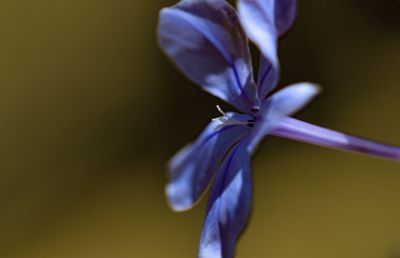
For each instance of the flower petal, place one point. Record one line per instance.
(280, 105)
(264, 21)
(302, 131)
(192, 168)
(268, 76)
(229, 205)
(205, 40)
(285, 12)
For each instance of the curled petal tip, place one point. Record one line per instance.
(174, 203)
(308, 88)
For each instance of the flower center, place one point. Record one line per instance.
(227, 119)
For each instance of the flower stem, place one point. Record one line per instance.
(301, 131)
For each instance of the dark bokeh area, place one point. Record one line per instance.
(91, 111)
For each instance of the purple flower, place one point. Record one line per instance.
(208, 41)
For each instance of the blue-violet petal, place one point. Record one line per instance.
(278, 106)
(192, 168)
(229, 205)
(264, 21)
(206, 42)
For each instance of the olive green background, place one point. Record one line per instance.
(91, 110)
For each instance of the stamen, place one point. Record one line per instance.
(220, 110)
(225, 120)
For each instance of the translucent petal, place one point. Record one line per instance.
(205, 40)
(192, 168)
(229, 205)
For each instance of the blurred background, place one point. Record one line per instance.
(91, 111)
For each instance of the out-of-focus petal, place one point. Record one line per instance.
(268, 76)
(229, 205)
(280, 105)
(205, 40)
(192, 168)
(264, 21)
(285, 13)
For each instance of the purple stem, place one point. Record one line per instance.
(301, 131)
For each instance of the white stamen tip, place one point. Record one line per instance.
(220, 110)
(225, 119)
